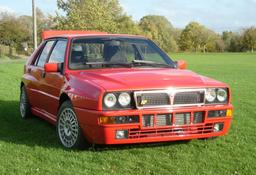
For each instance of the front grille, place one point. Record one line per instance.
(190, 97)
(152, 99)
(172, 131)
(169, 98)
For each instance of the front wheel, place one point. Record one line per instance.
(68, 129)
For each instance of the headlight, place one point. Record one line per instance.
(110, 100)
(216, 95)
(124, 99)
(117, 100)
(222, 95)
(210, 95)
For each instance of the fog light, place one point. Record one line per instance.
(218, 127)
(121, 134)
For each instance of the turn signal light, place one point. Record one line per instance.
(119, 119)
(229, 113)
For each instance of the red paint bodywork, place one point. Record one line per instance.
(85, 89)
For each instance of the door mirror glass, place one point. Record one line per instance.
(181, 64)
(52, 67)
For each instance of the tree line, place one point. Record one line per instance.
(108, 16)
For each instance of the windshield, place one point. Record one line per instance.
(116, 52)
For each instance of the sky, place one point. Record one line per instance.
(218, 15)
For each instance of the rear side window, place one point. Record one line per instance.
(44, 55)
(58, 53)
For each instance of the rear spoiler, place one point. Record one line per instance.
(55, 33)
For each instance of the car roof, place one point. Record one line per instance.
(75, 34)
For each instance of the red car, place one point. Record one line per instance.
(104, 88)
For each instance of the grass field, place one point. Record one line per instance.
(31, 147)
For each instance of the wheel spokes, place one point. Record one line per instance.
(68, 127)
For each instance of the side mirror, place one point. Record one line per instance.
(53, 67)
(181, 64)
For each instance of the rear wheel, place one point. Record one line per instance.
(25, 111)
(68, 129)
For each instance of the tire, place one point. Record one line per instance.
(68, 130)
(25, 109)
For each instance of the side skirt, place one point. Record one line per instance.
(44, 115)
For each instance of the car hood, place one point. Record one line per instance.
(145, 78)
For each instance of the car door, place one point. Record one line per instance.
(51, 83)
(36, 72)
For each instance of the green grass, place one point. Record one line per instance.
(31, 147)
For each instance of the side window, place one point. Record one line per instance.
(42, 58)
(58, 53)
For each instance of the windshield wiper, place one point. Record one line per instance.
(105, 64)
(132, 64)
(149, 63)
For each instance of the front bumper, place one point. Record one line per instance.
(106, 134)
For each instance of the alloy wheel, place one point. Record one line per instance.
(68, 128)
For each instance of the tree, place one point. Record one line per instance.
(232, 41)
(101, 15)
(190, 38)
(16, 31)
(12, 31)
(196, 37)
(159, 29)
(126, 25)
(249, 38)
(220, 45)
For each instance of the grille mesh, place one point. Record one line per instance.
(153, 99)
(178, 119)
(148, 121)
(182, 118)
(163, 98)
(163, 119)
(198, 117)
(189, 97)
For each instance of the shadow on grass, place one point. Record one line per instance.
(37, 132)
(30, 132)
(100, 148)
